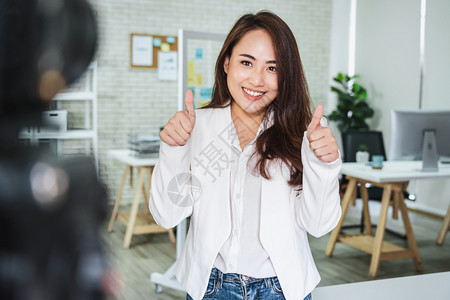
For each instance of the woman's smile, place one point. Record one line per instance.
(252, 95)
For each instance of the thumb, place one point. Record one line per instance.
(317, 116)
(189, 103)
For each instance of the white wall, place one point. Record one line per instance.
(339, 54)
(433, 195)
(130, 98)
(437, 55)
(387, 56)
(388, 61)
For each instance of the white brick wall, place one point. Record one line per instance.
(134, 98)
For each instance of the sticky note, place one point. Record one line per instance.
(170, 40)
(156, 42)
(190, 79)
(205, 94)
(199, 79)
(165, 47)
(199, 53)
(191, 67)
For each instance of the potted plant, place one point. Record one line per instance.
(352, 108)
(362, 155)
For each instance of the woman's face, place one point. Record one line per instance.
(251, 73)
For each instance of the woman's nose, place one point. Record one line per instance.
(256, 77)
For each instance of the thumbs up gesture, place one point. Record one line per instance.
(321, 139)
(178, 129)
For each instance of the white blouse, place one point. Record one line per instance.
(243, 252)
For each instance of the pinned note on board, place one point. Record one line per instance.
(205, 93)
(167, 68)
(141, 51)
(165, 47)
(170, 40)
(190, 79)
(191, 66)
(156, 42)
(199, 53)
(199, 79)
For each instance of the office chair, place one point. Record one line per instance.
(351, 140)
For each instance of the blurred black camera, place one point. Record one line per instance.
(52, 209)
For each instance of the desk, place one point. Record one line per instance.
(427, 286)
(137, 222)
(393, 178)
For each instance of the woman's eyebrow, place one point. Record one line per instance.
(253, 58)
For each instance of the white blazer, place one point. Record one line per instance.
(286, 215)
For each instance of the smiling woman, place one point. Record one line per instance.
(260, 156)
(252, 78)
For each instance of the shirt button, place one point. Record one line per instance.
(238, 196)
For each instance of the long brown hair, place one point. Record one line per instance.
(291, 109)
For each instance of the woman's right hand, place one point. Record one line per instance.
(178, 130)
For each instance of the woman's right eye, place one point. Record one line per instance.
(246, 63)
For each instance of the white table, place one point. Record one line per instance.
(393, 178)
(145, 167)
(428, 286)
(137, 222)
(393, 171)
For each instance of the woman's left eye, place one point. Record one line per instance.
(272, 69)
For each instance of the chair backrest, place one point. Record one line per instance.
(351, 140)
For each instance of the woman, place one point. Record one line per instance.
(253, 169)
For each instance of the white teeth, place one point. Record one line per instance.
(251, 93)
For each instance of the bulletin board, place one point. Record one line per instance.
(160, 43)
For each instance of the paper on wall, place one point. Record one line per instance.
(142, 54)
(167, 65)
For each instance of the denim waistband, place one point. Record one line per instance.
(234, 277)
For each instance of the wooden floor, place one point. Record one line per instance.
(155, 253)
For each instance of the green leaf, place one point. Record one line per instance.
(336, 90)
(362, 94)
(351, 97)
(356, 87)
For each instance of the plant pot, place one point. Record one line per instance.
(362, 156)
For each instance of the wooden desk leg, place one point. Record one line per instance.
(131, 176)
(367, 221)
(354, 194)
(149, 185)
(146, 189)
(134, 209)
(351, 187)
(379, 235)
(410, 236)
(445, 228)
(398, 196)
(119, 196)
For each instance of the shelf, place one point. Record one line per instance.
(365, 243)
(64, 135)
(83, 96)
(85, 90)
(144, 223)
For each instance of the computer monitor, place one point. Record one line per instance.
(409, 128)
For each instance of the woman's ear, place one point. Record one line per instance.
(225, 64)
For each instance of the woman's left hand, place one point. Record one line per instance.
(321, 139)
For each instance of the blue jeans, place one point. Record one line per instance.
(232, 286)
